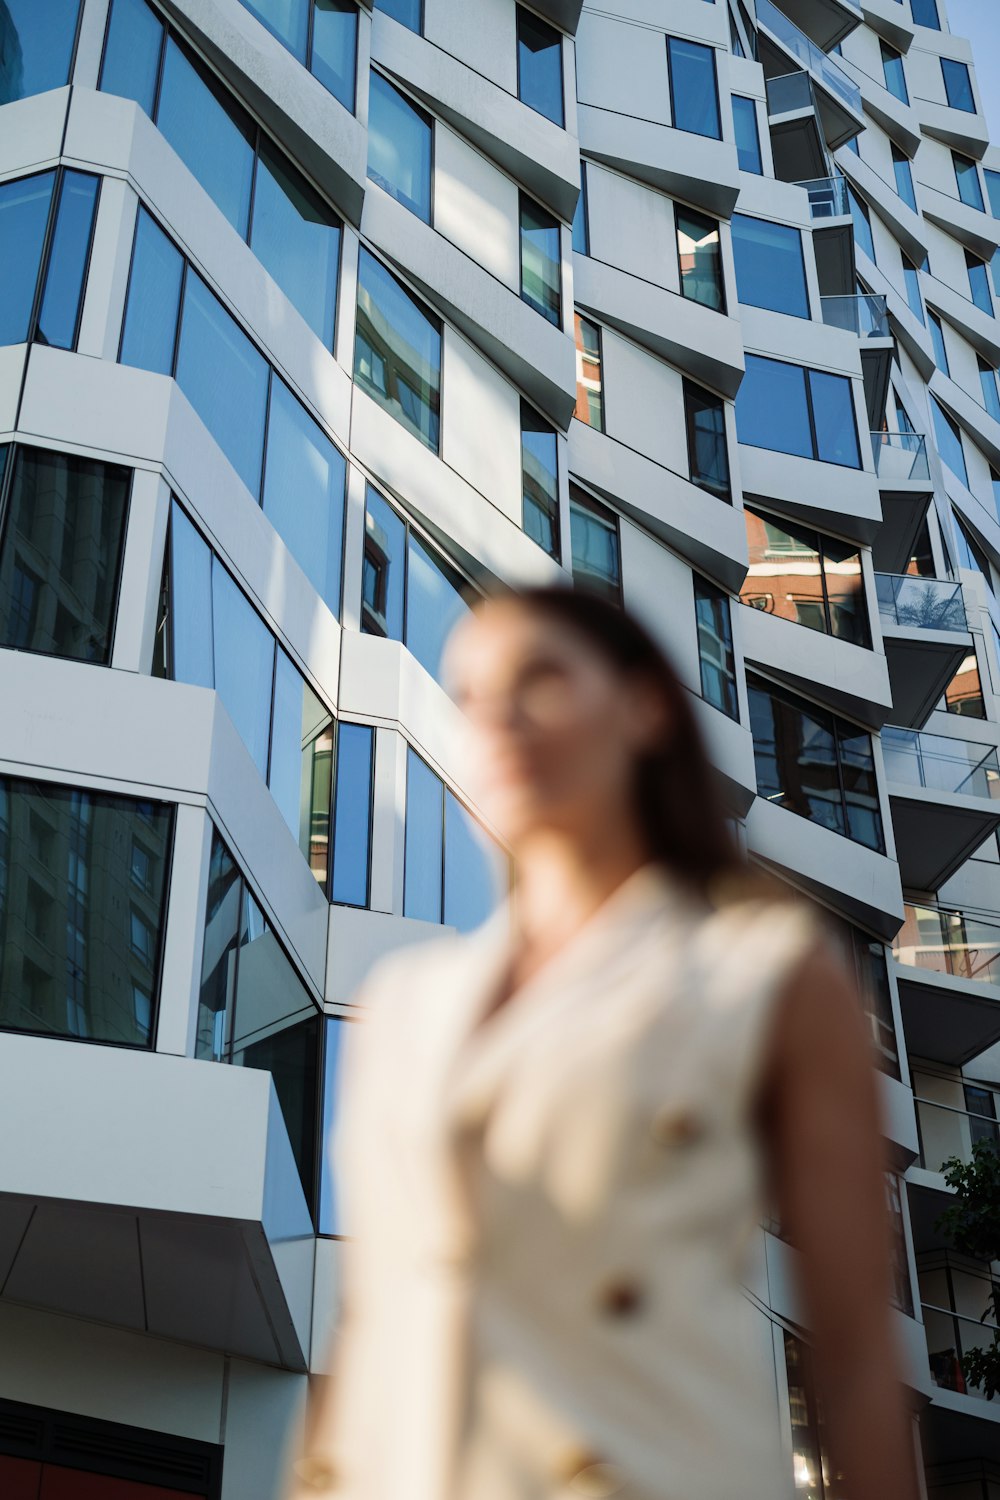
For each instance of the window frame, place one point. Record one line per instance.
(426, 117)
(432, 316)
(370, 818)
(519, 10)
(446, 787)
(807, 371)
(751, 112)
(691, 388)
(704, 589)
(59, 174)
(577, 314)
(526, 405)
(597, 507)
(947, 63)
(693, 215)
(776, 518)
(525, 198)
(671, 94)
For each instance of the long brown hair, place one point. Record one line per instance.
(677, 799)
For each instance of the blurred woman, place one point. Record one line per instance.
(559, 1133)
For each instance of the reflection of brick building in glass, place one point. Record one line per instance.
(798, 575)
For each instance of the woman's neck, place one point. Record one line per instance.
(561, 883)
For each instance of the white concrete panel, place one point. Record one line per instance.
(180, 965)
(481, 425)
(12, 362)
(631, 226)
(658, 587)
(643, 402)
(142, 568)
(107, 280)
(482, 36)
(261, 1407)
(358, 939)
(623, 68)
(32, 132)
(476, 206)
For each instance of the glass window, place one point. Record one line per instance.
(715, 647)
(334, 59)
(892, 69)
(423, 857)
(305, 479)
(244, 664)
(76, 933)
(971, 554)
(949, 441)
(397, 351)
(815, 1475)
(62, 302)
(581, 225)
(352, 814)
(595, 546)
(699, 258)
(814, 763)
(60, 554)
(539, 65)
(988, 381)
(589, 388)
(694, 94)
(190, 596)
(862, 223)
(24, 215)
(407, 12)
(210, 134)
(958, 85)
(937, 340)
(225, 378)
(979, 283)
(904, 177)
(541, 260)
(912, 281)
(154, 295)
(288, 20)
(468, 875)
(37, 46)
(399, 146)
(132, 53)
(770, 269)
(747, 135)
(964, 693)
(925, 13)
(297, 239)
(408, 593)
(539, 480)
(708, 453)
(967, 178)
(993, 190)
(800, 575)
(301, 762)
(792, 410)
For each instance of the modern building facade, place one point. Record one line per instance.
(316, 321)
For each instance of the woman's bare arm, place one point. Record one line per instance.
(819, 1111)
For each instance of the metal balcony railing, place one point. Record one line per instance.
(813, 58)
(900, 456)
(940, 763)
(865, 315)
(920, 603)
(945, 940)
(944, 1131)
(789, 91)
(949, 1336)
(827, 197)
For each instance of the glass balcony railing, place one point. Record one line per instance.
(827, 197)
(865, 315)
(943, 1131)
(947, 941)
(822, 67)
(920, 603)
(949, 1336)
(900, 456)
(940, 763)
(788, 92)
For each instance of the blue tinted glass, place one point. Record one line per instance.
(993, 189)
(988, 381)
(693, 94)
(36, 46)
(397, 351)
(795, 754)
(937, 339)
(925, 13)
(24, 214)
(154, 293)
(539, 480)
(771, 407)
(715, 647)
(407, 12)
(209, 139)
(539, 65)
(595, 547)
(352, 808)
(468, 874)
(399, 147)
(284, 773)
(833, 416)
(747, 138)
(949, 441)
(433, 605)
(68, 260)
(297, 238)
(190, 603)
(967, 178)
(958, 85)
(892, 68)
(287, 19)
(862, 223)
(541, 260)
(708, 454)
(329, 1219)
(770, 271)
(912, 281)
(335, 47)
(224, 378)
(244, 663)
(904, 177)
(383, 569)
(423, 845)
(581, 231)
(304, 480)
(979, 284)
(132, 53)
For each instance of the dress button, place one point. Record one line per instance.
(589, 1474)
(620, 1296)
(675, 1126)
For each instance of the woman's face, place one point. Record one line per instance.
(553, 729)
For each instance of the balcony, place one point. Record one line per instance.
(949, 1336)
(926, 639)
(948, 975)
(822, 88)
(900, 458)
(944, 794)
(833, 234)
(827, 198)
(904, 483)
(864, 315)
(945, 1130)
(827, 22)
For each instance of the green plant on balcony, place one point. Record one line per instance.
(972, 1223)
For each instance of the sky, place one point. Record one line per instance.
(979, 20)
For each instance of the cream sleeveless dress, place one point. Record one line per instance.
(549, 1213)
